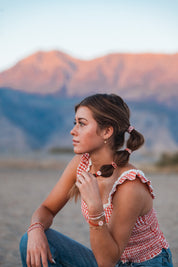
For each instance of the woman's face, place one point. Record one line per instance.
(86, 136)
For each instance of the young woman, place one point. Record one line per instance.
(116, 198)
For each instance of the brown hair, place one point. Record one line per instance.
(111, 110)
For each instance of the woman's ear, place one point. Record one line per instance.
(107, 132)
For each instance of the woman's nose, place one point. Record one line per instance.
(73, 131)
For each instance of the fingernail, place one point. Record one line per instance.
(53, 261)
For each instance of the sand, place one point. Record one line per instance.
(22, 190)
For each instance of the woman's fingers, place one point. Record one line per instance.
(80, 179)
(44, 259)
(37, 260)
(28, 260)
(85, 177)
(49, 255)
(32, 261)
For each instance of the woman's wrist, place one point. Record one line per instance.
(96, 216)
(94, 209)
(36, 225)
(97, 223)
(97, 220)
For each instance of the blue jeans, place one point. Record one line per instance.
(163, 259)
(69, 253)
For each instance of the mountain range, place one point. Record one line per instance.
(38, 94)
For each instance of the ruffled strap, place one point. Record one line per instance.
(84, 164)
(131, 175)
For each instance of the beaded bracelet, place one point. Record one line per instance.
(36, 223)
(34, 226)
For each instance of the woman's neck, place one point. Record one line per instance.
(101, 158)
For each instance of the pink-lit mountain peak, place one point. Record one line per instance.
(46, 60)
(131, 74)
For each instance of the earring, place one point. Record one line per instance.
(105, 141)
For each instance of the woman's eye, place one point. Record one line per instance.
(81, 123)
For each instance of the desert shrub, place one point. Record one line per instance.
(167, 159)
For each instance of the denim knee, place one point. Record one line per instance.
(23, 249)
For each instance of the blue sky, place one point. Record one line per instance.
(86, 29)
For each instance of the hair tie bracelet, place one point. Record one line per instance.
(96, 217)
(130, 129)
(128, 150)
(99, 223)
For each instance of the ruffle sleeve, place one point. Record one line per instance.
(131, 175)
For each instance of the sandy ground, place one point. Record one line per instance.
(22, 190)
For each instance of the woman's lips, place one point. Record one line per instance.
(75, 142)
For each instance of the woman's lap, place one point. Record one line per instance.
(69, 253)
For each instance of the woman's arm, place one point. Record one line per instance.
(38, 248)
(58, 196)
(109, 241)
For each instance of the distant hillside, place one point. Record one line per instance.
(34, 121)
(136, 77)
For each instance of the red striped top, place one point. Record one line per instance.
(146, 240)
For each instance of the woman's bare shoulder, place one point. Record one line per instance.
(126, 168)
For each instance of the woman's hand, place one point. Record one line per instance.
(38, 249)
(89, 190)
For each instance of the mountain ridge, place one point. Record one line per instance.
(135, 76)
